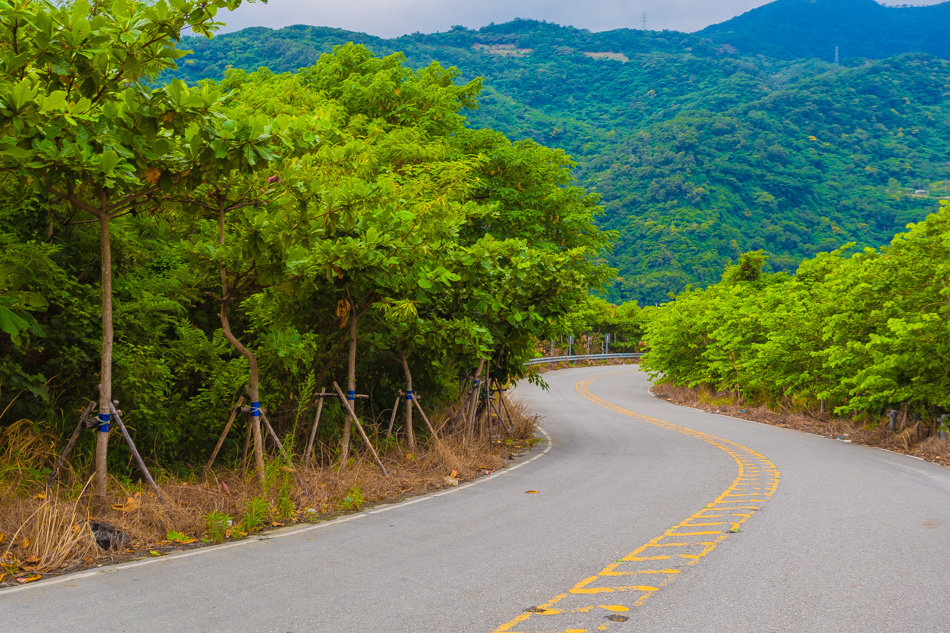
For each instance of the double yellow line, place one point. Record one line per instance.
(628, 582)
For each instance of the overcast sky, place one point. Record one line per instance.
(391, 18)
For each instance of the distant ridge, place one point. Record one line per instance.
(797, 29)
(698, 153)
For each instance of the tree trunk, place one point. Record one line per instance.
(350, 387)
(410, 434)
(105, 367)
(253, 390)
(474, 405)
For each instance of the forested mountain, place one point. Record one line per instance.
(794, 29)
(803, 170)
(698, 151)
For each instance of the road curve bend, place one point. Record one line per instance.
(647, 517)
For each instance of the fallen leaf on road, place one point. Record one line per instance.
(531, 492)
(154, 553)
(454, 474)
(30, 578)
(276, 524)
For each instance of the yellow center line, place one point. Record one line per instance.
(756, 475)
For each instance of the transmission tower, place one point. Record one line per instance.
(644, 20)
(837, 60)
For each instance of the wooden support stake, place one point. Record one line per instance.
(510, 425)
(71, 444)
(352, 414)
(493, 412)
(224, 434)
(474, 405)
(247, 443)
(501, 419)
(135, 451)
(423, 414)
(273, 435)
(392, 420)
(358, 396)
(307, 457)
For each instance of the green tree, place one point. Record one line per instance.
(79, 120)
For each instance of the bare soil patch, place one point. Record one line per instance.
(617, 57)
(504, 50)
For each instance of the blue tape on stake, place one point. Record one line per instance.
(104, 419)
(351, 395)
(409, 395)
(255, 409)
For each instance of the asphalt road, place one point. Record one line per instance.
(648, 517)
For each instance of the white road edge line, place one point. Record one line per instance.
(283, 534)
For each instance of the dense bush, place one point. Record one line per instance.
(249, 233)
(864, 333)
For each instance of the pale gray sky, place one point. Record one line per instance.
(391, 18)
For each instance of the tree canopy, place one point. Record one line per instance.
(862, 331)
(258, 223)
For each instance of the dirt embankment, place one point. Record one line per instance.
(917, 439)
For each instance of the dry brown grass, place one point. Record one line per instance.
(524, 422)
(917, 440)
(48, 533)
(54, 536)
(38, 532)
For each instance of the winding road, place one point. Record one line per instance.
(647, 517)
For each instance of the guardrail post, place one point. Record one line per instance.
(892, 420)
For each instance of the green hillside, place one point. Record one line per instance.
(796, 29)
(699, 153)
(800, 171)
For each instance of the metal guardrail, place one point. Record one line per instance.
(579, 357)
